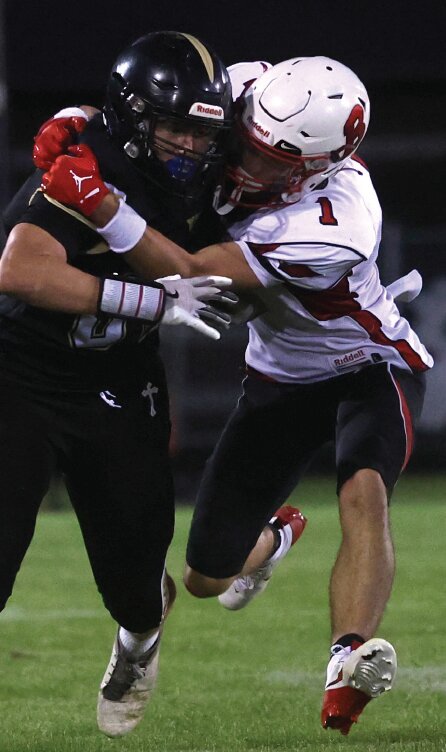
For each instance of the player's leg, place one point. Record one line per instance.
(280, 533)
(374, 441)
(26, 465)
(257, 463)
(287, 525)
(121, 488)
(362, 576)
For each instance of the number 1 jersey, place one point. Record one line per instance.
(324, 311)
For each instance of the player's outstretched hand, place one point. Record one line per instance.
(196, 302)
(74, 179)
(56, 135)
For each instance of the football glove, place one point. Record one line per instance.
(190, 302)
(74, 179)
(56, 135)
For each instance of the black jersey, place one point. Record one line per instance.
(64, 351)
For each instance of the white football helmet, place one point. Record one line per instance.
(297, 124)
(243, 75)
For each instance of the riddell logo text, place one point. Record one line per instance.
(258, 127)
(201, 109)
(349, 358)
(210, 110)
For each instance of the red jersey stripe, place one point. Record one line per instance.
(327, 305)
(407, 419)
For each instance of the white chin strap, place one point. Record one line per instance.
(225, 209)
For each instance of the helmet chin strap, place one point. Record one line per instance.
(225, 209)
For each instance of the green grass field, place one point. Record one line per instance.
(249, 681)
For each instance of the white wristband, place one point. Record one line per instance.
(131, 301)
(70, 112)
(124, 230)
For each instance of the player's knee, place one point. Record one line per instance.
(363, 493)
(201, 586)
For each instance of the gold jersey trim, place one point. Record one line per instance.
(75, 214)
(100, 247)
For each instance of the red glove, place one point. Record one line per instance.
(54, 138)
(76, 180)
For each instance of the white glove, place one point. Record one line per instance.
(187, 302)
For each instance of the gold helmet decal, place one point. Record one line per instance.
(204, 54)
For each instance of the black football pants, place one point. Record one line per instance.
(115, 461)
(271, 436)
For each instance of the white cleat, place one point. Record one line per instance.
(125, 690)
(244, 589)
(128, 685)
(371, 668)
(291, 522)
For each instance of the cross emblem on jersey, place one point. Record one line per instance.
(78, 179)
(149, 392)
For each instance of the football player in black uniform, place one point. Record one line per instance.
(82, 385)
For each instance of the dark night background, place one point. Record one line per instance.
(56, 54)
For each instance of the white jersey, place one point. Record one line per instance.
(325, 309)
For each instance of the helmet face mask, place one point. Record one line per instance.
(182, 162)
(167, 85)
(261, 177)
(302, 118)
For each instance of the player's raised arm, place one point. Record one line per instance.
(74, 179)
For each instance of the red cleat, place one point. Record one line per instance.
(342, 707)
(354, 677)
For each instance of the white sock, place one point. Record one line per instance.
(286, 536)
(133, 645)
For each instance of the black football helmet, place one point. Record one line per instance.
(170, 77)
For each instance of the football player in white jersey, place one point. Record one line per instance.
(329, 357)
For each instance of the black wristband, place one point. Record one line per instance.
(128, 300)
